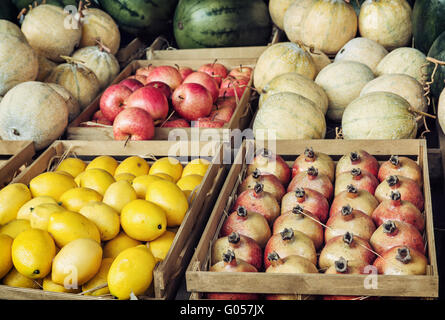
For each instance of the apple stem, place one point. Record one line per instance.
(126, 141)
(213, 64)
(180, 97)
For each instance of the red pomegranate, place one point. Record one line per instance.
(301, 220)
(289, 242)
(245, 248)
(358, 199)
(348, 219)
(358, 159)
(401, 166)
(355, 250)
(396, 233)
(341, 266)
(401, 261)
(250, 224)
(260, 201)
(362, 180)
(268, 162)
(270, 183)
(319, 160)
(310, 200)
(408, 188)
(313, 180)
(231, 264)
(289, 264)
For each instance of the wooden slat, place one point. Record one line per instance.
(21, 153)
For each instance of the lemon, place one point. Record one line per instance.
(119, 194)
(96, 179)
(169, 197)
(40, 215)
(68, 226)
(16, 279)
(163, 176)
(52, 184)
(26, 209)
(143, 220)
(32, 253)
(12, 198)
(73, 166)
(76, 198)
(190, 182)
(5, 254)
(77, 179)
(134, 165)
(131, 272)
(77, 262)
(167, 165)
(141, 183)
(104, 217)
(106, 163)
(15, 227)
(118, 244)
(49, 285)
(196, 166)
(125, 176)
(99, 279)
(160, 246)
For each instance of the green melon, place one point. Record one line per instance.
(428, 22)
(437, 51)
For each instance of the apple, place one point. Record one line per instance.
(205, 80)
(166, 90)
(177, 123)
(222, 102)
(192, 101)
(231, 87)
(208, 123)
(132, 84)
(166, 74)
(241, 72)
(151, 99)
(184, 71)
(215, 70)
(113, 99)
(144, 71)
(223, 114)
(133, 123)
(142, 79)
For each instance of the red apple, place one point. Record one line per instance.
(99, 118)
(134, 122)
(208, 123)
(231, 87)
(192, 101)
(167, 74)
(177, 123)
(142, 79)
(166, 90)
(206, 81)
(151, 100)
(223, 114)
(184, 71)
(222, 102)
(131, 84)
(215, 70)
(144, 71)
(113, 100)
(241, 72)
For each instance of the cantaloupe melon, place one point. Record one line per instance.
(71, 102)
(46, 66)
(277, 9)
(441, 111)
(293, 18)
(10, 28)
(321, 60)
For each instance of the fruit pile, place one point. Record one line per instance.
(98, 228)
(167, 97)
(349, 217)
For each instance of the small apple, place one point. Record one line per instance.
(241, 72)
(142, 79)
(132, 84)
(215, 70)
(167, 74)
(223, 102)
(222, 114)
(151, 99)
(208, 123)
(205, 80)
(177, 123)
(133, 123)
(144, 71)
(113, 99)
(192, 101)
(184, 71)
(166, 90)
(231, 87)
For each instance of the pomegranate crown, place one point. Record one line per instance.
(312, 171)
(256, 174)
(392, 180)
(394, 160)
(287, 234)
(403, 255)
(309, 152)
(354, 156)
(228, 256)
(241, 211)
(348, 237)
(356, 172)
(395, 195)
(389, 226)
(346, 210)
(341, 265)
(351, 188)
(234, 237)
(259, 187)
(300, 193)
(273, 256)
(298, 210)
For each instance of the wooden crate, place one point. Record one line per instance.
(14, 155)
(240, 119)
(133, 51)
(199, 280)
(168, 273)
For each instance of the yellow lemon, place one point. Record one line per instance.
(68, 226)
(28, 207)
(104, 217)
(99, 279)
(118, 244)
(96, 179)
(124, 176)
(119, 194)
(131, 271)
(169, 197)
(76, 198)
(164, 176)
(141, 183)
(106, 163)
(134, 165)
(51, 184)
(15, 227)
(167, 165)
(73, 166)
(196, 166)
(12, 198)
(16, 279)
(160, 246)
(5, 254)
(189, 182)
(32, 253)
(77, 179)
(49, 285)
(40, 215)
(143, 220)
(77, 262)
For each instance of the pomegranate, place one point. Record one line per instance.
(349, 298)
(245, 248)
(319, 160)
(348, 219)
(301, 220)
(341, 266)
(355, 250)
(289, 264)
(362, 180)
(289, 242)
(396, 233)
(288, 297)
(268, 162)
(313, 180)
(270, 183)
(401, 166)
(358, 199)
(407, 187)
(358, 159)
(250, 224)
(310, 200)
(260, 201)
(398, 210)
(401, 260)
(231, 264)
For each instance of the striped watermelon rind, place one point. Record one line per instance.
(428, 22)
(437, 51)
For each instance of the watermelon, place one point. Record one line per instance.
(221, 23)
(7, 10)
(428, 22)
(437, 51)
